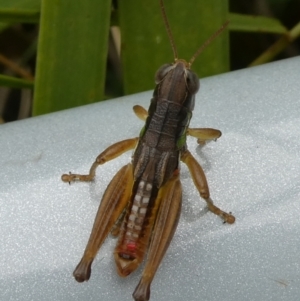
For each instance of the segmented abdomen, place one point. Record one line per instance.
(135, 222)
(151, 170)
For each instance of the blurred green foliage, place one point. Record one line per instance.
(75, 39)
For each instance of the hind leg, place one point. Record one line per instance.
(164, 228)
(114, 201)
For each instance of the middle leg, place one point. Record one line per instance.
(200, 182)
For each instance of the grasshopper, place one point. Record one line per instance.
(142, 203)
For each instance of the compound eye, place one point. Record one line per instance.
(192, 82)
(162, 72)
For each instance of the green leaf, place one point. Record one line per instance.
(72, 53)
(8, 81)
(249, 23)
(278, 46)
(4, 25)
(145, 44)
(26, 11)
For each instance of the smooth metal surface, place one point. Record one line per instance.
(253, 170)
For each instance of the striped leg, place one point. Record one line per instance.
(114, 201)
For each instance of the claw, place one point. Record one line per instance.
(69, 178)
(66, 178)
(228, 218)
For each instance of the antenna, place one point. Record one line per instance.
(207, 42)
(204, 45)
(163, 11)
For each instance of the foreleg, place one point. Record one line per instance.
(140, 112)
(204, 135)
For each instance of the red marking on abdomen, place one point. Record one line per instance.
(131, 246)
(176, 172)
(128, 250)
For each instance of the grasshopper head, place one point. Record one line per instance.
(178, 83)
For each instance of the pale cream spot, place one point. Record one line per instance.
(141, 184)
(145, 200)
(148, 187)
(135, 208)
(131, 217)
(130, 225)
(143, 210)
(137, 198)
